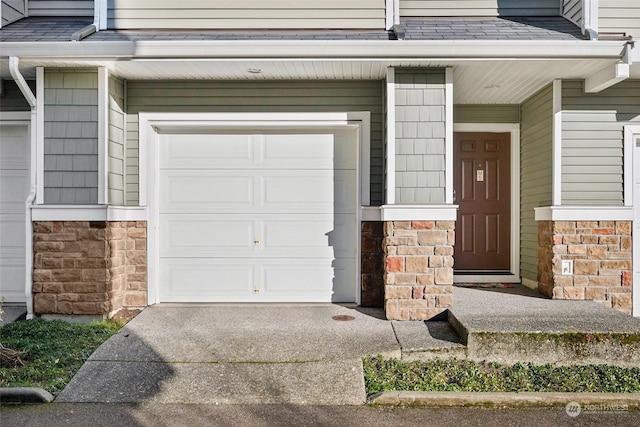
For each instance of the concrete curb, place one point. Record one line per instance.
(24, 395)
(623, 401)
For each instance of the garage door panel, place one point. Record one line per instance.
(299, 151)
(227, 151)
(206, 191)
(14, 147)
(309, 236)
(204, 236)
(309, 191)
(200, 280)
(12, 273)
(14, 188)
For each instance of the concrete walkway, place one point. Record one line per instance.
(236, 354)
(311, 354)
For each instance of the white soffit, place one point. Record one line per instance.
(475, 81)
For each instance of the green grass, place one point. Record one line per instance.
(460, 375)
(52, 351)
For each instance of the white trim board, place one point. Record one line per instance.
(514, 130)
(632, 139)
(88, 213)
(151, 125)
(583, 213)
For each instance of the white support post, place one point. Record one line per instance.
(40, 135)
(449, 136)
(390, 160)
(557, 143)
(103, 136)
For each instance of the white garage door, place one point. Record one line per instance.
(258, 217)
(14, 189)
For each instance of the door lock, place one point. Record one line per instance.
(256, 241)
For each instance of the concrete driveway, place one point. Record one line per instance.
(239, 354)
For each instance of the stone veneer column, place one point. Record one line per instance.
(602, 261)
(88, 268)
(372, 264)
(418, 268)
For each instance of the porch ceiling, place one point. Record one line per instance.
(483, 81)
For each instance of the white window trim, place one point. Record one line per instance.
(514, 130)
(151, 123)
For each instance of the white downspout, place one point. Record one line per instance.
(14, 63)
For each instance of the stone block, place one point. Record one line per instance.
(402, 225)
(397, 292)
(392, 310)
(432, 238)
(135, 299)
(443, 276)
(595, 293)
(416, 264)
(424, 313)
(394, 264)
(574, 293)
(445, 225)
(585, 267)
(44, 304)
(66, 275)
(444, 300)
(623, 227)
(405, 279)
(423, 225)
(425, 279)
(621, 301)
(418, 292)
(616, 265)
(627, 278)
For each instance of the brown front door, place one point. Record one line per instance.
(482, 184)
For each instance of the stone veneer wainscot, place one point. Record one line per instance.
(418, 268)
(89, 268)
(602, 255)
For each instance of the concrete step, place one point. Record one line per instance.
(422, 341)
(563, 346)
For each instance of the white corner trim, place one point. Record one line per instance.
(103, 135)
(389, 14)
(371, 213)
(390, 158)
(590, 15)
(556, 150)
(449, 126)
(584, 213)
(40, 135)
(631, 134)
(88, 213)
(418, 212)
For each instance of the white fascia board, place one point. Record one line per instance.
(88, 213)
(584, 213)
(296, 49)
(418, 212)
(371, 213)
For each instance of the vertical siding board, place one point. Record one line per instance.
(254, 97)
(593, 142)
(479, 8)
(223, 14)
(71, 136)
(535, 174)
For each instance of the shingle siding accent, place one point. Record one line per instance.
(420, 136)
(255, 97)
(117, 139)
(71, 136)
(593, 142)
(535, 174)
